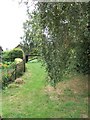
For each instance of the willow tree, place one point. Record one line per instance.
(64, 29)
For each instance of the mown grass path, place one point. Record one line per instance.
(34, 99)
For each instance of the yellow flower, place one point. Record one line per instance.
(5, 65)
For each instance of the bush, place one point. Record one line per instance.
(7, 74)
(11, 71)
(18, 60)
(19, 68)
(6, 56)
(10, 56)
(5, 79)
(16, 53)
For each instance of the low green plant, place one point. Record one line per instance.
(6, 62)
(5, 79)
(5, 56)
(7, 75)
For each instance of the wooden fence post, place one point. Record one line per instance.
(26, 58)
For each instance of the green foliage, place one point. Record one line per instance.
(63, 25)
(7, 74)
(6, 56)
(83, 49)
(32, 34)
(19, 69)
(5, 79)
(59, 29)
(18, 60)
(10, 56)
(83, 55)
(15, 53)
(10, 71)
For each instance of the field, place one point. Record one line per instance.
(35, 98)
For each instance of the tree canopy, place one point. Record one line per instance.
(60, 31)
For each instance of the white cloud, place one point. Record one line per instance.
(12, 16)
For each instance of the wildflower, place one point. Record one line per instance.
(5, 65)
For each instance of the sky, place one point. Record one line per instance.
(12, 16)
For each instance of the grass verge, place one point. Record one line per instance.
(35, 99)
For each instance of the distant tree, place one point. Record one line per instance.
(32, 33)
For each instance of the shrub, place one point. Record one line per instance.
(7, 73)
(5, 57)
(18, 60)
(16, 53)
(10, 56)
(19, 69)
(5, 79)
(11, 70)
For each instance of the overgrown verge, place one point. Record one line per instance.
(11, 66)
(11, 72)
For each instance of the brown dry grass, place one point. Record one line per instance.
(78, 86)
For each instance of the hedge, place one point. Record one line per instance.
(10, 56)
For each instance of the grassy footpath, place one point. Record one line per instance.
(35, 99)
